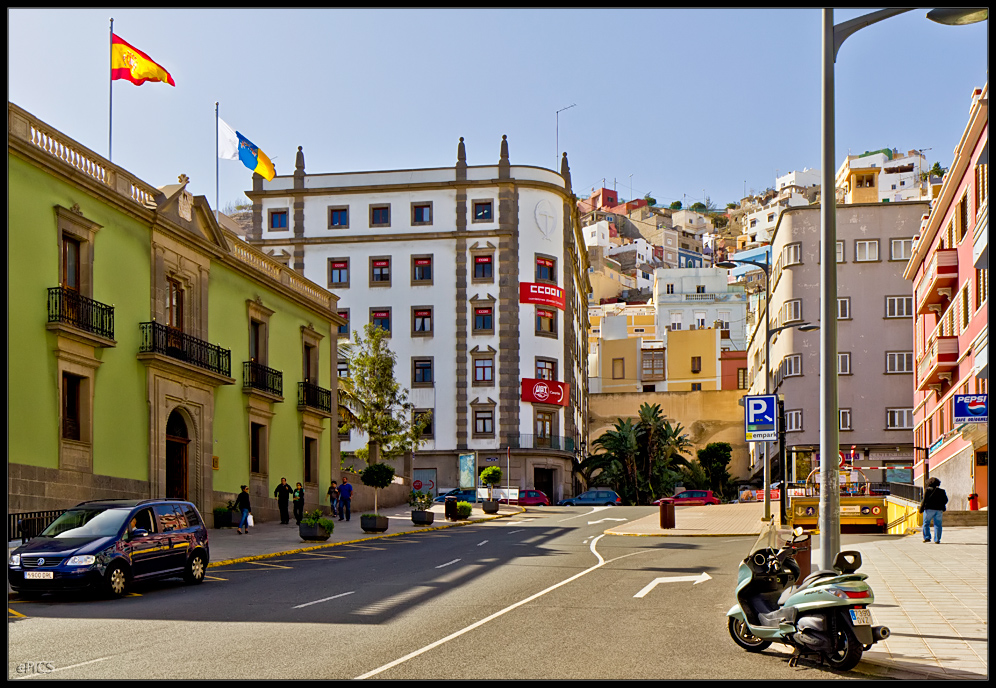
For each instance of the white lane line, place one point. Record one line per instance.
(325, 599)
(447, 563)
(484, 542)
(71, 666)
(476, 624)
(520, 530)
(594, 509)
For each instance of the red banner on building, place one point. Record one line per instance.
(545, 391)
(541, 294)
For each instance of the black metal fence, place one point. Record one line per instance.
(30, 523)
(71, 307)
(258, 376)
(160, 339)
(541, 442)
(314, 397)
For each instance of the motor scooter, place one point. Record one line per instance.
(826, 615)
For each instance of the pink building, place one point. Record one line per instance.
(949, 270)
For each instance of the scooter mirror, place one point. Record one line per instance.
(798, 531)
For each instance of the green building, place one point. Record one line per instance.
(151, 352)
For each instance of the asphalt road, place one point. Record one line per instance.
(546, 595)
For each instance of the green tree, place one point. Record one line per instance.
(650, 199)
(698, 206)
(715, 460)
(675, 206)
(937, 170)
(372, 401)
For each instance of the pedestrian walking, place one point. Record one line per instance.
(298, 503)
(932, 507)
(345, 496)
(333, 494)
(283, 493)
(242, 503)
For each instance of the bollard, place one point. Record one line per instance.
(973, 502)
(667, 514)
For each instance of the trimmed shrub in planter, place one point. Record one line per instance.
(464, 509)
(421, 502)
(373, 523)
(315, 527)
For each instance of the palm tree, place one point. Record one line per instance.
(620, 445)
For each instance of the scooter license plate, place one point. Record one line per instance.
(861, 617)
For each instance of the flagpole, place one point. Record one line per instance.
(110, 89)
(217, 200)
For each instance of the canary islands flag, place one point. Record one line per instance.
(128, 62)
(234, 146)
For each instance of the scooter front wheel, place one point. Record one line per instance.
(744, 638)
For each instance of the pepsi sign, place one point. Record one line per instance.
(971, 408)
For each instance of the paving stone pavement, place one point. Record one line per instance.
(934, 598)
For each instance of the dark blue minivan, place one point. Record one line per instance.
(108, 544)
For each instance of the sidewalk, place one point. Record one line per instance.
(933, 598)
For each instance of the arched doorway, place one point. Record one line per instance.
(176, 456)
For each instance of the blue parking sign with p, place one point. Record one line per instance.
(761, 418)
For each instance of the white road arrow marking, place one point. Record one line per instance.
(694, 580)
(591, 523)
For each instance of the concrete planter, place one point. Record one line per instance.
(490, 506)
(422, 518)
(373, 524)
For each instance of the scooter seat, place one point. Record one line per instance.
(816, 575)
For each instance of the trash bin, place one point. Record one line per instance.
(667, 514)
(803, 556)
(449, 508)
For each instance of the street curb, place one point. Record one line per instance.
(300, 550)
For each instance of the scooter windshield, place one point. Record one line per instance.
(767, 539)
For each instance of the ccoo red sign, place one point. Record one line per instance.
(545, 392)
(541, 294)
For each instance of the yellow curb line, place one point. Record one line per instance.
(11, 611)
(259, 557)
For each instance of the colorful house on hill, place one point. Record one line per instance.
(151, 352)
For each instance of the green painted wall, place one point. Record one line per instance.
(121, 277)
(228, 322)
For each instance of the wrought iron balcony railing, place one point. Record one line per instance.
(313, 396)
(541, 442)
(72, 308)
(161, 339)
(258, 376)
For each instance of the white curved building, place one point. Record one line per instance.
(478, 274)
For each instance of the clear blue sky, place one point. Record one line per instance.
(691, 103)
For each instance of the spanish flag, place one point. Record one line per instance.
(128, 62)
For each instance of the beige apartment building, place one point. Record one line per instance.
(875, 335)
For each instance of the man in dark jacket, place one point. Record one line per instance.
(282, 493)
(932, 506)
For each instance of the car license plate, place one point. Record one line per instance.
(39, 575)
(861, 617)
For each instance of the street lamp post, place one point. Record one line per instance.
(833, 38)
(557, 166)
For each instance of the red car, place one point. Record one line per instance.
(531, 498)
(689, 497)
